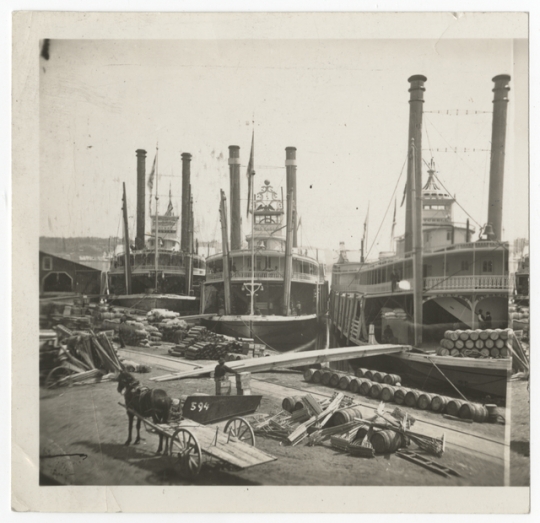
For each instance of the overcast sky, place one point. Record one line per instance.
(342, 103)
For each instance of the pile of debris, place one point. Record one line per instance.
(81, 357)
(388, 388)
(202, 344)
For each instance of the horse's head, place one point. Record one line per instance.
(125, 381)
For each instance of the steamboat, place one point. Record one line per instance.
(160, 271)
(437, 279)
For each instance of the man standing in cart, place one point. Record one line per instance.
(220, 374)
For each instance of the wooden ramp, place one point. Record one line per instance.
(290, 360)
(217, 444)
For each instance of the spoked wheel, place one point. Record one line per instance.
(56, 378)
(185, 450)
(240, 429)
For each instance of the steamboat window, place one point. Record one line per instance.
(47, 263)
(487, 266)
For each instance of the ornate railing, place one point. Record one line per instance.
(467, 282)
(264, 275)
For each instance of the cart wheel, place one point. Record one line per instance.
(56, 375)
(240, 429)
(186, 451)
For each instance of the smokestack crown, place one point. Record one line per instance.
(290, 153)
(186, 157)
(501, 87)
(141, 153)
(234, 151)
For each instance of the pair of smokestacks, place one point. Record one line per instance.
(235, 213)
(496, 173)
(186, 239)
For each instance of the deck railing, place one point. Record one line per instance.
(264, 275)
(466, 282)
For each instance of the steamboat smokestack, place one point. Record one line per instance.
(290, 165)
(414, 175)
(141, 197)
(236, 218)
(186, 205)
(498, 143)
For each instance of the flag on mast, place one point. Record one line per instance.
(404, 195)
(299, 223)
(170, 210)
(366, 223)
(248, 173)
(393, 224)
(151, 182)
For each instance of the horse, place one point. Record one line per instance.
(154, 403)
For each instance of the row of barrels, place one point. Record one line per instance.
(476, 351)
(478, 334)
(400, 395)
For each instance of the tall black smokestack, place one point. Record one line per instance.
(186, 205)
(290, 165)
(236, 217)
(141, 198)
(498, 143)
(416, 102)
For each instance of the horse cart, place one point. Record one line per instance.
(211, 428)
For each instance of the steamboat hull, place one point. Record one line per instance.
(279, 333)
(184, 305)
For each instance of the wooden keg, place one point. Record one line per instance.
(499, 344)
(448, 334)
(392, 379)
(316, 377)
(368, 374)
(479, 344)
(464, 335)
(494, 353)
(493, 415)
(325, 378)
(453, 406)
(449, 344)
(444, 352)
(386, 441)
(378, 376)
(360, 373)
(504, 353)
(438, 403)
(399, 395)
(411, 398)
(469, 344)
(454, 353)
(292, 403)
(489, 343)
(494, 335)
(344, 382)
(474, 335)
(353, 385)
(484, 353)
(424, 401)
(375, 391)
(505, 334)
(460, 344)
(308, 374)
(473, 411)
(387, 393)
(457, 335)
(334, 379)
(342, 416)
(484, 335)
(365, 387)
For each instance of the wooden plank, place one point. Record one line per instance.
(291, 360)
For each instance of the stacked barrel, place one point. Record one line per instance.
(479, 343)
(388, 388)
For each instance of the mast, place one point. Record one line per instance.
(127, 265)
(418, 278)
(141, 197)
(288, 255)
(252, 293)
(189, 272)
(156, 222)
(225, 240)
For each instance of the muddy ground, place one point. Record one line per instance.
(87, 420)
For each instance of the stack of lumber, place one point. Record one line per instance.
(488, 343)
(202, 344)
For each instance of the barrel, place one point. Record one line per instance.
(505, 334)
(360, 372)
(325, 378)
(342, 416)
(365, 387)
(290, 403)
(484, 335)
(500, 343)
(479, 344)
(392, 379)
(484, 353)
(334, 379)
(451, 335)
(378, 376)
(424, 401)
(464, 335)
(457, 334)
(375, 391)
(460, 344)
(308, 374)
(354, 385)
(494, 353)
(454, 353)
(316, 377)
(495, 334)
(492, 413)
(411, 398)
(368, 374)
(469, 344)
(504, 353)
(344, 382)
(443, 352)
(361, 434)
(453, 406)
(438, 403)
(474, 335)
(399, 395)
(473, 411)
(489, 343)
(387, 393)
(386, 441)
